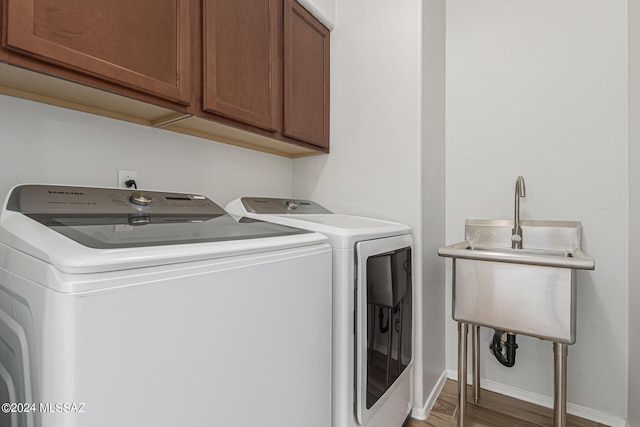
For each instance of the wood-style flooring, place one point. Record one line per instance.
(494, 410)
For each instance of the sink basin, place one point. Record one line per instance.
(530, 291)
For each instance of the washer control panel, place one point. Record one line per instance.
(68, 200)
(274, 206)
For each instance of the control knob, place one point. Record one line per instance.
(290, 204)
(140, 199)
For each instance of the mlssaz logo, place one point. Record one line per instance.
(67, 193)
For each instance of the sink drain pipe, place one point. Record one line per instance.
(505, 353)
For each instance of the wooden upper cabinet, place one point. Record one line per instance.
(141, 44)
(240, 56)
(306, 76)
(254, 73)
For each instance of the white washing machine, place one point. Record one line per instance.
(122, 308)
(372, 308)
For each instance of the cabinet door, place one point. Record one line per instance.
(306, 76)
(241, 60)
(141, 44)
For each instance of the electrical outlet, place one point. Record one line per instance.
(124, 176)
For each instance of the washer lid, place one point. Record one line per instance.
(91, 228)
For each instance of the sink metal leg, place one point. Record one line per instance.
(475, 349)
(463, 329)
(560, 384)
(560, 351)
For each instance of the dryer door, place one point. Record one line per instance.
(383, 321)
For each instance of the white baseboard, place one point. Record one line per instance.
(547, 402)
(423, 412)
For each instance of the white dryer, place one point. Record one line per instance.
(372, 308)
(122, 308)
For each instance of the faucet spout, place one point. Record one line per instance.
(516, 232)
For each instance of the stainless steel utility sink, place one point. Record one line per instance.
(517, 277)
(529, 291)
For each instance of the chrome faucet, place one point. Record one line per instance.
(516, 232)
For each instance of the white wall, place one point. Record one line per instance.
(46, 144)
(538, 88)
(433, 196)
(634, 213)
(375, 165)
(375, 125)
